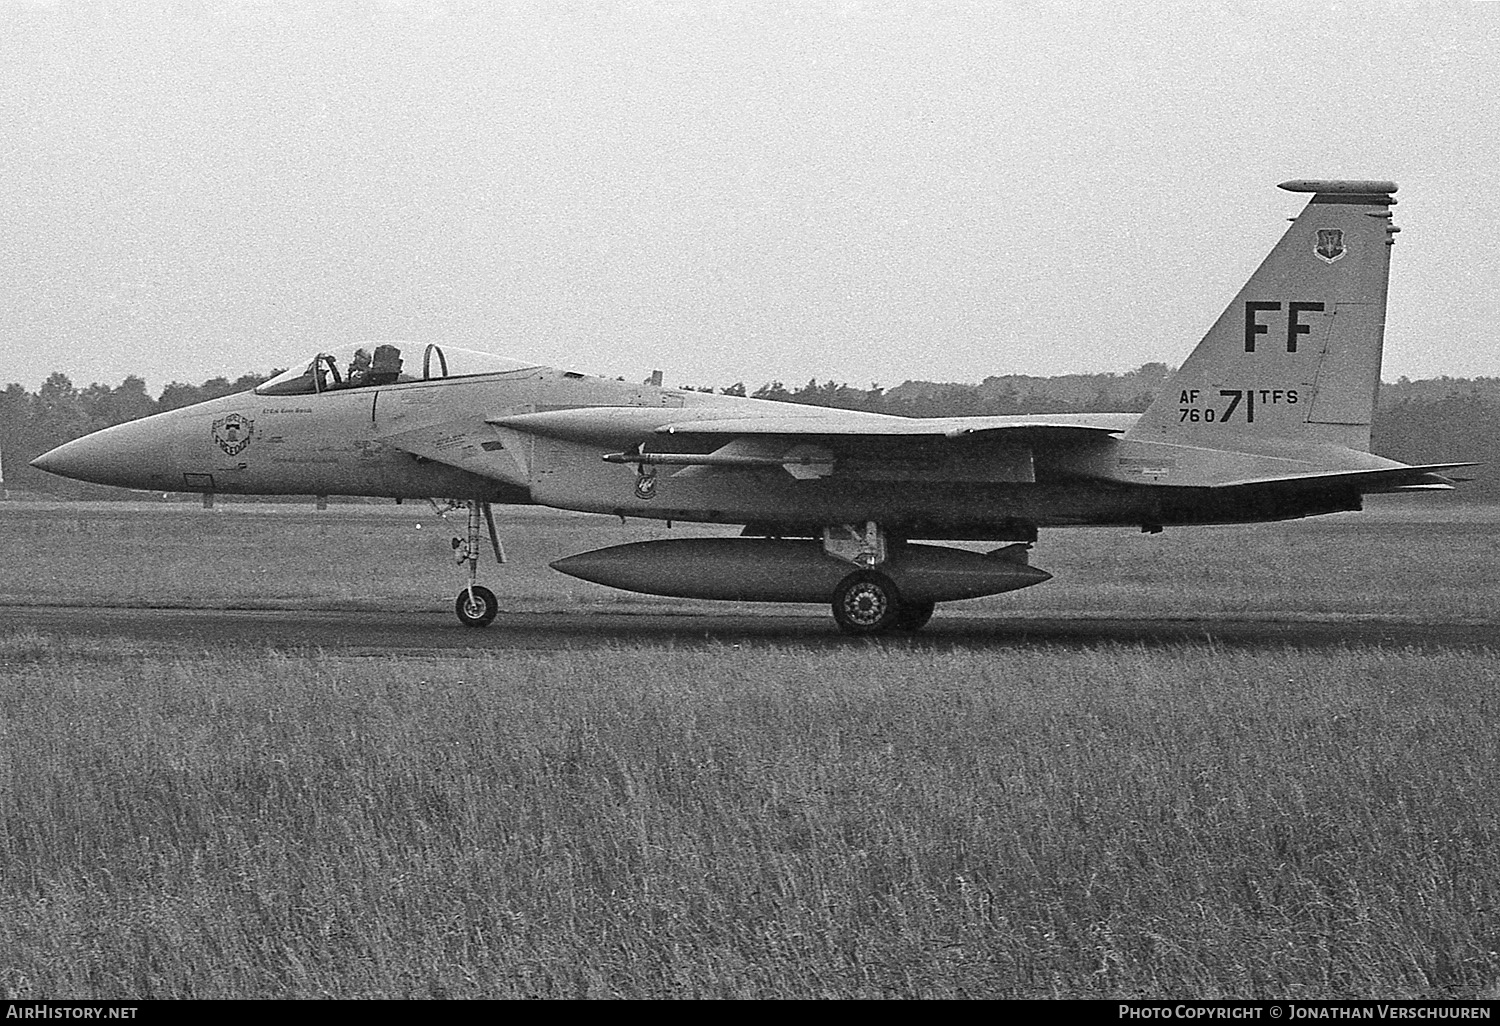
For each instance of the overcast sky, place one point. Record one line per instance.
(869, 192)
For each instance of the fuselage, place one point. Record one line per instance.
(440, 438)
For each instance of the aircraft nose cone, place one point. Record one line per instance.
(131, 455)
(86, 459)
(71, 459)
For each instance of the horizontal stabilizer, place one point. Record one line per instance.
(1386, 479)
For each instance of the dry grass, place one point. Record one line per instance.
(781, 822)
(755, 821)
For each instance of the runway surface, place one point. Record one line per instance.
(384, 633)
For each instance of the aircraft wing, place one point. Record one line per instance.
(614, 424)
(901, 427)
(806, 442)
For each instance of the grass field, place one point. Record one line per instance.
(757, 820)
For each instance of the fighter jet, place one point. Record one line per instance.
(1267, 419)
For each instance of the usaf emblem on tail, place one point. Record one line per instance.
(233, 433)
(1330, 244)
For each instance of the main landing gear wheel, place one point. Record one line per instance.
(866, 603)
(476, 606)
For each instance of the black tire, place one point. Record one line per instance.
(480, 611)
(866, 603)
(914, 616)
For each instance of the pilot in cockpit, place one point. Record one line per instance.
(359, 368)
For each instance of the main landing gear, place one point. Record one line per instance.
(476, 605)
(867, 602)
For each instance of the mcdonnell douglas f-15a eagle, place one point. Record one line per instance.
(1268, 419)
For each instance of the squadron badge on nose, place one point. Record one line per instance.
(1330, 244)
(233, 433)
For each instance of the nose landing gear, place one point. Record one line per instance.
(476, 606)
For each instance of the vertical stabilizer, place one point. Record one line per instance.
(1297, 354)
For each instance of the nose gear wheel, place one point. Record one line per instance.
(476, 606)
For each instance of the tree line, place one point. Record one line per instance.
(1435, 420)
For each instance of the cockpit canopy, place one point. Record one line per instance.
(370, 364)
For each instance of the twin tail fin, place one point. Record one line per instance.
(1296, 355)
